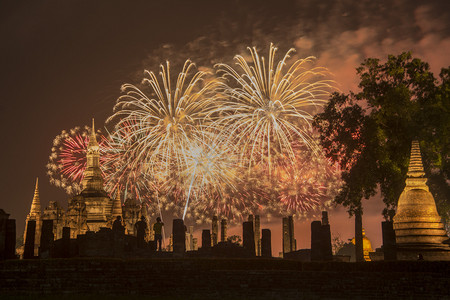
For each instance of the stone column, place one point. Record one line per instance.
(206, 239)
(250, 218)
(266, 243)
(179, 236)
(187, 241)
(10, 247)
(215, 230)
(3, 220)
(223, 230)
(248, 237)
(170, 246)
(359, 251)
(325, 218)
(316, 241)
(326, 250)
(388, 232)
(293, 243)
(191, 238)
(195, 244)
(257, 228)
(47, 238)
(65, 244)
(28, 248)
(286, 236)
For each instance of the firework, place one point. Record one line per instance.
(269, 107)
(163, 122)
(120, 177)
(210, 168)
(304, 187)
(67, 160)
(181, 144)
(233, 202)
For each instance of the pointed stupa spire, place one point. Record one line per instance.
(93, 138)
(415, 168)
(35, 215)
(415, 178)
(117, 205)
(93, 179)
(36, 204)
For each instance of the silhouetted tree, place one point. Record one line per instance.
(369, 133)
(235, 239)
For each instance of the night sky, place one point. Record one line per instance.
(63, 62)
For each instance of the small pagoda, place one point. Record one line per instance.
(419, 231)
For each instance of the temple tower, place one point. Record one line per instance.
(93, 180)
(98, 206)
(35, 215)
(418, 227)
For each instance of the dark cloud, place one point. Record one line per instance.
(341, 34)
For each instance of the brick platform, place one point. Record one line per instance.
(222, 279)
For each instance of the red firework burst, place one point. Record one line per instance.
(67, 161)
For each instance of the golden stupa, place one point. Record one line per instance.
(367, 246)
(417, 224)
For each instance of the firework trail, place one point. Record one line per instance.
(270, 106)
(67, 160)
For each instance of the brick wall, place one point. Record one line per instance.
(225, 278)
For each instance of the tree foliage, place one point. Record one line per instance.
(369, 133)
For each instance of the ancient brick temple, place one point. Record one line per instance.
(90, 210)
(417, 224)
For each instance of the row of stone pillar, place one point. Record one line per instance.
(321, 248)
(210, 237)
(215, 230)
(46, 243)
(251, 236)
(251, 241)
(388, 235)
